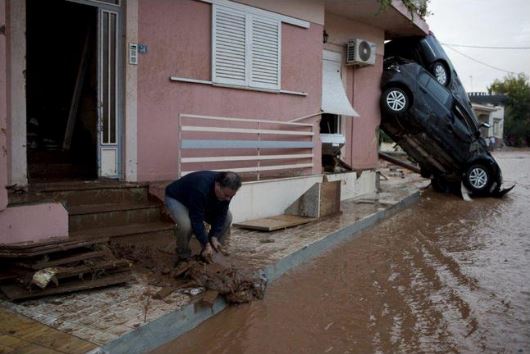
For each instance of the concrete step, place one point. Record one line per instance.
(83, 193)
(151, 229)
(84, 217)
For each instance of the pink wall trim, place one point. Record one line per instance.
(3, 112)
(178, 35)
(47, 220)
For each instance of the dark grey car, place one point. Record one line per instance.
(436, 129)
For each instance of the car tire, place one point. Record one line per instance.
(477, 178)
(440, 72)
(395, 100)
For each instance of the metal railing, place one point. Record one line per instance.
(252, 147)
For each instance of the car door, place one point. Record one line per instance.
(451, 134)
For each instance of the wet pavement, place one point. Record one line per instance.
(442, 276)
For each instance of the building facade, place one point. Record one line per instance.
(149, 90)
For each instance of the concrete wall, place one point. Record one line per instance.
(178, 36)
(269, 198)
(3, 111)
(362, 88)
(308, 10)
(16, 90)
(33, 222)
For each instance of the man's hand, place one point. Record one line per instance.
(207, 253)
(218, 247)
(216, 244)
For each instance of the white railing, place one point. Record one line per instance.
(254, 147)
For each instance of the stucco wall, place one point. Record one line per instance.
(3, 111)
(178, 36)
(362, 88)
(33, 222)
(308, 10)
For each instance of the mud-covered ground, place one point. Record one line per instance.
(443, 276)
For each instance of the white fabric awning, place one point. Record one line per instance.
(334, 99)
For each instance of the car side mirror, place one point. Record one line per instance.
(485, 125)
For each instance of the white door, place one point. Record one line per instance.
(108, 94)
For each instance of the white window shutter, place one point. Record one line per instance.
(265, 66)
(229, 46)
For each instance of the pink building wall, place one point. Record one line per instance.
(27, 222)
(178, 36)
(3, 111)
(33, 222)
(362, 88)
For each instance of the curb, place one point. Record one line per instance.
(178, 322)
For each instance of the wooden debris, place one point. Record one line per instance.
(274, 222)
(73, 265)
(164, 292)
(209, 297)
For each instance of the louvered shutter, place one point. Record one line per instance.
(264, 53)
(229, 46)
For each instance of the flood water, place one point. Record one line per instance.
(444, 276)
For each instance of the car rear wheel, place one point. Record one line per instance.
(477, 178)
(441, 73)
(395, 100)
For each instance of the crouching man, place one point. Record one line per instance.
(199, 197)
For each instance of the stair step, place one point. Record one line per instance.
(85, 209)
(82, 193)
(111, 214)
(124, 230)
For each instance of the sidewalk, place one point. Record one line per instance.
(126, 319)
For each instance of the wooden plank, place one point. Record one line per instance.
(188, 128)
(399, 162)
(30, 244)
(263, 168)
(14, 292)
(66, 260)
(274, 222)
(6, 252)
(245, 158)
(244, 144)
(194, 116)
(66, 272)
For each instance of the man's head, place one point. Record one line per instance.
(226, 185)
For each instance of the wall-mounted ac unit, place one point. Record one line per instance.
(360, 52)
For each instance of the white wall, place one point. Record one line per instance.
(263, 199)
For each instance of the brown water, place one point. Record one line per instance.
(442, 276)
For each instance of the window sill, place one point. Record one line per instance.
(246, 88)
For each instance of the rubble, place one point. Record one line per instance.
(236, 285)
(57, 266)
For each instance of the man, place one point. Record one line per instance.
(199, 197)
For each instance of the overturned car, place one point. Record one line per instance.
(435, 125)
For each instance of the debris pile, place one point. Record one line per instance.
(56, 266)
(237, 286)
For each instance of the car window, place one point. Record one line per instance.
(434, 88)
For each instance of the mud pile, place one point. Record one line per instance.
(235, 285)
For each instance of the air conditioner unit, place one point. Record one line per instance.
(360, 52)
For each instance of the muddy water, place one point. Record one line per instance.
(443, 276)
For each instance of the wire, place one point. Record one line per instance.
(483, 47)
(478, 61)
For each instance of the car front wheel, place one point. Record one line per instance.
(441, 73)
(395, 100)
(477, 179)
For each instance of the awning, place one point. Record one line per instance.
(334, 99)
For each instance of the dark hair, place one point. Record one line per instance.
(229, 180)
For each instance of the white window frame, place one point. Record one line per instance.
(250, 18)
